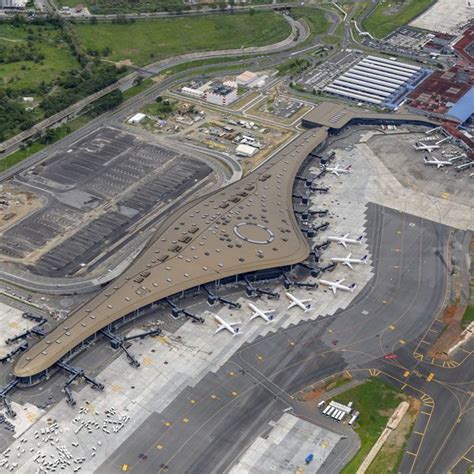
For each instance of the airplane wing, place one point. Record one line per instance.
(349, 264)
(292, 305)
(343, 243)
(333, 289)
(219, 329)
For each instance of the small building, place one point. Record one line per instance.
(246, 78)
(28, 99)
(221, 95)
(245, 150)
(137, 118)
(192, 92)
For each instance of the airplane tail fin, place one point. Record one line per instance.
(365, 259)
(352, 287)
(359, 239)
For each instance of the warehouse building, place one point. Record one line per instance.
(377, 81)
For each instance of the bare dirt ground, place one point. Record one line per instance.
(452, 316)
(15, 204)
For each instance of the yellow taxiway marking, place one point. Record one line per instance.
(404, 386)
(259, 357)
(214, 397)
(374, 372)
(231, 373)
(147, 361)
(392, 327)
(399, 231)
(117, 388)
(159, 446)
(124, 467)
(348, 373)
(234, 394)
(192, 402)
(401, 341)
(396, 266)
(162, 339)
(406, 373)
(384, 301)
(330, 331)
(444, 195)
(430, 377)
(168, 423)
(185, 420)
(292, 343)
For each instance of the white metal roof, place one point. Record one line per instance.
(345, 93)
(363, 82)
(390, 61)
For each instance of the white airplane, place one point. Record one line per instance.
(336, 285)
(344, 240)
(297, 302)
(425, 147)
(348, 261)
(336, 170)
(438, 163)
(258, 313)
(225, 325)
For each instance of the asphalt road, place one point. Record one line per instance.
(391, 314)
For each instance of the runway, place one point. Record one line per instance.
(209, 425)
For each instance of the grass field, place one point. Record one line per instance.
(26, 74)
(144, 42)
(468, 316)
(316, 19)
(390, 14)
(376, 401)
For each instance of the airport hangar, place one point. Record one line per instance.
(246, 227)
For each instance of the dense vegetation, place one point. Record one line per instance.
(40, 59)
(143, 42)
(100, 7)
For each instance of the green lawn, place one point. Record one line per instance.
(390, 14)
(375, 400)
(316, 19)
(144, 42)
(25, 74)
(468, 316)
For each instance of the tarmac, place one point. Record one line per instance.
(213, 396)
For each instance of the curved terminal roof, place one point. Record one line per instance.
(246, 226)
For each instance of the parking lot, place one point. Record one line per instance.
(323, 74)
(96, 191)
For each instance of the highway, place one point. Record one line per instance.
(391, 314)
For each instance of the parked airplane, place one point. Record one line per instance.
(424, 146)
(228, 326)
(344, 240)
(438, 163)
(336, 170)
(258, 313)
(348, 261)
(337, 285)
(297, 302)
